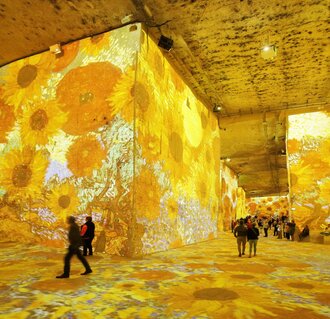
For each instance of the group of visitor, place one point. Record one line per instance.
(249, 229)
(246, 230)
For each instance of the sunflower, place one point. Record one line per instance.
(148, 109)
(157, 69)
(192, 121)
(7, 119)
(276, 204)
(85, 155)
(175, 151)
(25, 78)
(152, 60)
(148, 193)
(63, 201)
(122, 100)
(151, 146)
(294, 145)
(174, 162)
(83, 93)
(203, 180)
(41, 121)
(252, 207)
(210, 298)
(307, 288)
(22, 172)
(318, 161)
(302, 176)
(95, 44)
(69, 52)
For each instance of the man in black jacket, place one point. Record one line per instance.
(252, 236)
(240, 233)
(87, 233)
(73, 249)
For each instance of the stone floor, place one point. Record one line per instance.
(207, 280)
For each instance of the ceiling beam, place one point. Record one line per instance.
(290, 109)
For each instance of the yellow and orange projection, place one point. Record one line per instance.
(232, 198)
(265, 207)
(108, 129)
(309, 166)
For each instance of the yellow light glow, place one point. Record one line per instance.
(316, 124)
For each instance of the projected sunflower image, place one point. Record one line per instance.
(96, 132)
(63, 151)
(309, 147)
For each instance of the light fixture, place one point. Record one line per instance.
(165, 43)
(56, 49)
(268, 52)
(217, 108)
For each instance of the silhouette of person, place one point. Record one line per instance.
(304, 233)
(252, 235)
(87, 233)
(75, 241)
(240, 233)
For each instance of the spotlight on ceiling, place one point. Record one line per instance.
(217, 108)
(56, 49)
(165, 43)
(268, 52)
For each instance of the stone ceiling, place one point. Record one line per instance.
(217, 50)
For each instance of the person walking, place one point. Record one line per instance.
(75, 241)
(304, 233)
(266, 225)
(240, 232)
(279, 230)
(252, 236)
(87, 233)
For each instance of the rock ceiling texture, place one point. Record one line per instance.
(217, 50)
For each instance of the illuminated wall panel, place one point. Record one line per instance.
(271, 206)
(110, 131)
(229, 188)
(67, 144)
(240, 208)
(177, 158)
(309, 166)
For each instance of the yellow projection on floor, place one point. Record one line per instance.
(207, 280)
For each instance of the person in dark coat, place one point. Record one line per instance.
(240, 232)
(75, 242)
(304, 233)
(87, 233)
(252, 236)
